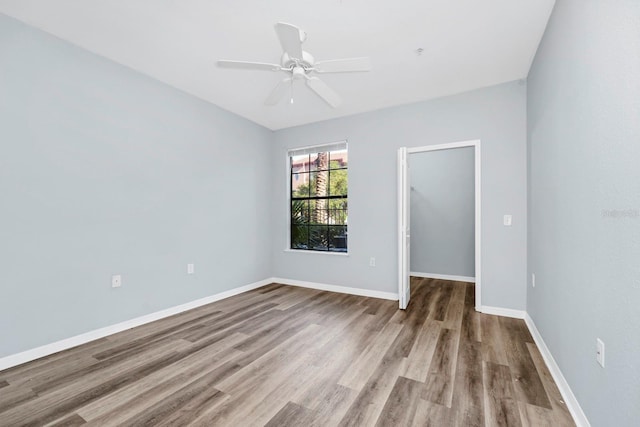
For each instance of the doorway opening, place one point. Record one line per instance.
(404, 218)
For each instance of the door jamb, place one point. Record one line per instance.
(478, 205)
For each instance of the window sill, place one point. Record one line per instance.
(302, 251)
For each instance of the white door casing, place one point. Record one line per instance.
(404, 234)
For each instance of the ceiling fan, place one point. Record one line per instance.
(300, 65)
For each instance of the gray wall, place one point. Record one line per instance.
(584, 207)
(443, 212)
(105, 171)
(496, 115)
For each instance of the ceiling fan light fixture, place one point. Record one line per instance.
(298, 73)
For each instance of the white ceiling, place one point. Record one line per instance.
(467, 44)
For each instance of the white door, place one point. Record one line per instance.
(404, 235)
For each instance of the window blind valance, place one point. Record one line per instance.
(333, 146)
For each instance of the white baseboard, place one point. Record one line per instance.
(570, 399)
(443, 277)
(335, 288)
(506, 312)
(48, 349)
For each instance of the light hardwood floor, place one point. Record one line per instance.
(288, 356)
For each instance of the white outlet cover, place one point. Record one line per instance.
(116, 281)
(507, 220)
(191, 269)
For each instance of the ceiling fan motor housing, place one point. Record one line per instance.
(305, 62)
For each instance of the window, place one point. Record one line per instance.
(318, 199)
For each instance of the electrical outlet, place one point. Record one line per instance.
(507, 220)
(116, 281)
(533, 279)
(372, 262)
(191, 269)
(600, 352)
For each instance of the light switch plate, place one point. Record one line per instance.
(507, 220)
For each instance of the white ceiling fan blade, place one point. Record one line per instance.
(224, 63)
(290, 39)
(278, 92)
(324, 91)
(347, 65)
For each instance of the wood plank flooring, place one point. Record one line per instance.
(288, 356)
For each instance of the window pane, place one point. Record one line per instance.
(319, 213)
(299, 237)
(338, 239)
(318, 238)
(300, 184)
(338, 180)
(319, 161)
(319, 184)
(337, 211)
(299, 212)
(338, 159)
(300, 163)
(313, 162)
